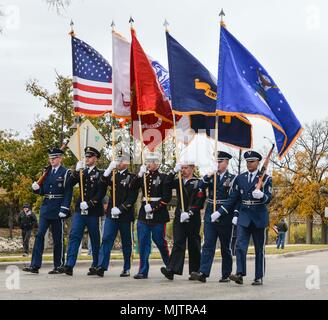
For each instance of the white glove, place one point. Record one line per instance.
(213, 169)
(84, 205)
(35, 186)
(115, 211)
(62, 215)
(142, 171)
(148, 208)
(257, 194)
(184, 216)
(234, 220)
(79, 165)
(215, 215)
(110, 168)
(177, 168)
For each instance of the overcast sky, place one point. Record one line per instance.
(290, 39)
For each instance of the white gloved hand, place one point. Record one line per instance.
(84, 205)
(35, 186)
(257, 194)
(215, 215)
(213, 169)
(115, 211)
(62, 215)
(142, 171)
(184, 216)
(177, 168)
(110, 168)
(79, 165)
(234, 220)
(148, 208)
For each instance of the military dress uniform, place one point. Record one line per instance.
(125, 198)
(187, 231)
(152, 226)
(57, 198)
(94, 192)
(221, 228)
(253, 218)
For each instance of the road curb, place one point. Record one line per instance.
(119, 262)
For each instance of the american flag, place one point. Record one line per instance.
(92, 80)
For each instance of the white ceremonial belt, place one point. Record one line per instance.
(151, 199)
(54, 196)
(217, 201)
(250, 202)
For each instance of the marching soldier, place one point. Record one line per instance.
(186, 224)
(252, 218)
(120, 216)
(153, 214)
(217, 227)
(87, 212)
(55, 207)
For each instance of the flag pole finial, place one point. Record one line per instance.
(72, 33)
(222, 15)
(131, 21)
(166, 25)
(113, 25)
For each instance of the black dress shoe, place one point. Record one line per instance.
(224, 280)
(58, 270)
(257, 282)
(100, 272)
(140, 276)
(92, 271)
(68, 270)
(167, 273)
(125, 273)
(198, 276)
(31, 269)
(236, 278)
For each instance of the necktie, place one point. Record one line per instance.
(250, 178)
(53, 171)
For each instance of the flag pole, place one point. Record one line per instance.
(166, 24)
(143, 157)
(216, 136)
(113, 145)
(78, 120)
(131, 21)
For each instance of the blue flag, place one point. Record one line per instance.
(245, 88)
(193, 92)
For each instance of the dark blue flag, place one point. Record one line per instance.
(245, 88)
(193, 92)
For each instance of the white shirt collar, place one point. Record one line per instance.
(122, 171)
(90, 169)
(222, 174)
(55, 168)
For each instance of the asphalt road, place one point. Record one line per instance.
(299, 277)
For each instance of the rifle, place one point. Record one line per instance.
(48, 168)
(264, 168)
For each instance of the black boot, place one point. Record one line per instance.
(58, 270)
(167, 273)
(31, 269)
(100, 272)
(223, 280)
(68, 270)
(125, 273)
(139, 276)
(92, 271)
(198, 276)
(236, 278)
(257, 282)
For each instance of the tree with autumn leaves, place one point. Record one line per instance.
(302, 176)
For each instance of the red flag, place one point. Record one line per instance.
(147, 99)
